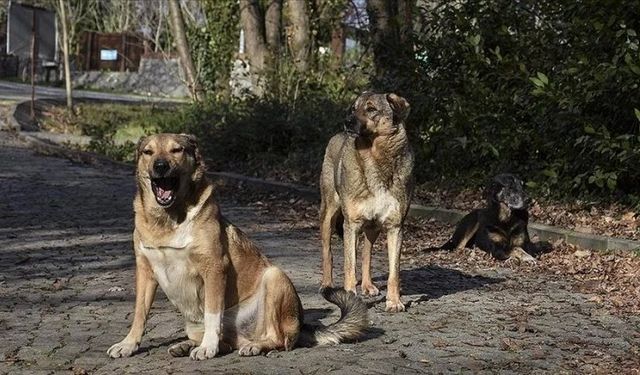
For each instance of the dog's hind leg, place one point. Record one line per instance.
(182, 349)
(278, 325)
(194, 331)
(368, 288)
(464, 233)
(329, 212)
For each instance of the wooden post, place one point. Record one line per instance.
(65, 51)
(89, 52)
(123, 55)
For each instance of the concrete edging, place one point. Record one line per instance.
(543, 231)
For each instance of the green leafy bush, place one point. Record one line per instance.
(546, 89)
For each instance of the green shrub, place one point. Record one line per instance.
(546, 89)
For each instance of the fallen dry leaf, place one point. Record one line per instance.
(628, 216)
(582, 253)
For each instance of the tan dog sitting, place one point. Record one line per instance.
(228, 292)
(366, 186)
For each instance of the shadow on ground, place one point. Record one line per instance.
(432, 282)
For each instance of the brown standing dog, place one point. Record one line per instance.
(366, 186)
(229, 294)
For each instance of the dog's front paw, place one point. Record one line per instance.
(122, 349)
(181, 349)
(394, 306)
(249, 350)
(202, 352)
(519, 255)
(370, 290)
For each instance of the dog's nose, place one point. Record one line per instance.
(161, 167)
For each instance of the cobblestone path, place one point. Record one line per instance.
(66, 292)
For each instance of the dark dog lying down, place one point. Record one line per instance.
(501, 228)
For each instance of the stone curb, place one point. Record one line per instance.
(543, 231)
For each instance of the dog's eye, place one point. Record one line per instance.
(147, 152)
(371, 109)
(177, 150)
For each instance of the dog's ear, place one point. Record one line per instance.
(400, 107)
(141, 143)
(491, 191)
(194, 149)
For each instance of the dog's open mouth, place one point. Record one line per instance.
(164, 188)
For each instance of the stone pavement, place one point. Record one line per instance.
(66, 286)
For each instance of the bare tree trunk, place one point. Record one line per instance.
(382, 36)
(335, 11)
(406, 10)
(253, 35)
(299, 32)
(255, 44)
(65, 53)
(156, 40)
(179, 34)
(391, 30)
(127, 12)
(337, 45)
(273, 25)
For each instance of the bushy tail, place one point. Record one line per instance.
(353, 321)
(449, 245)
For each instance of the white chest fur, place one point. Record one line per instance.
(379, 206)
(176, 274)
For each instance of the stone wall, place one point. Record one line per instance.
(158, 77)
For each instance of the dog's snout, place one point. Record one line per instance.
(161, 167)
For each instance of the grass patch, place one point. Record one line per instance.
(114, 128)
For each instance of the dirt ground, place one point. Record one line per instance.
(66, 285)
